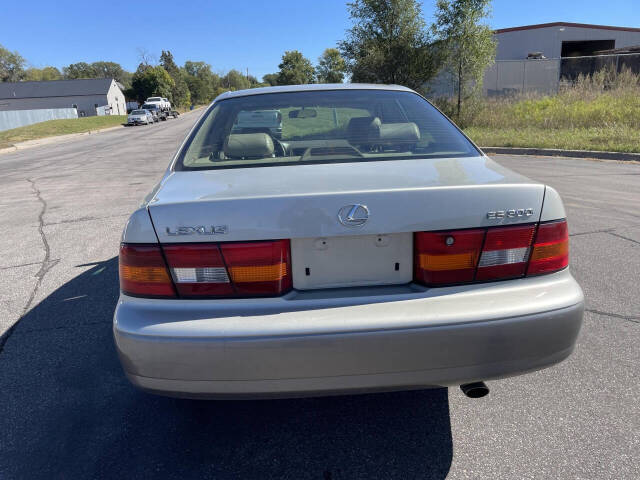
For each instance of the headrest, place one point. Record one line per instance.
(399, 133)
(243, 145)
(361, 130)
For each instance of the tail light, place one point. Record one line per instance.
(464, 256)
(206, 269)
(551, 249)
(143, 272)
(505, 252)
(447, 257)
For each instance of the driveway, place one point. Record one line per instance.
(68, 412)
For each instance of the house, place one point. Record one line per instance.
(90, 96)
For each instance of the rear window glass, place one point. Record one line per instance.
(320, 127)
(138, 112)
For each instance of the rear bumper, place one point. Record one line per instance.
(319, 343)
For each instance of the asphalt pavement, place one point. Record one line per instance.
(66, 410)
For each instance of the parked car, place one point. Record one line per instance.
(140, 117)
(155, 111)
(268, 121)
(373, 247)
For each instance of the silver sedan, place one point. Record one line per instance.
(370, 247)
(140, 117)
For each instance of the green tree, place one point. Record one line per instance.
(467, 45)
(108, 70)
(270, 79)
(11, 66)
(79, 70)
(150, 81)
(295, 69)
(331, 67)
(201, 80)
(389, 43)
(235, 80)
(42, 74)
(180, 94)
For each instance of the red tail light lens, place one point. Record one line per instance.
(551, 249)
(447, 257)
(259, 268)
(143, 272)
(248, 269)
(230, 269)
(505, 252)
(501, 253)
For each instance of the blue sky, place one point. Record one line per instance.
(231, 33)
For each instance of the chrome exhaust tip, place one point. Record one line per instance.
(475, 389)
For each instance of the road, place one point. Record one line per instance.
(68, 412)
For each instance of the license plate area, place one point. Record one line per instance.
(359, 260)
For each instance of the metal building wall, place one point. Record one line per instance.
(516, 45)
(19, 118)
(86, 104)
(522, 76)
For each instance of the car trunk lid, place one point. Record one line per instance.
(313, 205)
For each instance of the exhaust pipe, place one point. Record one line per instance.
(475, 389)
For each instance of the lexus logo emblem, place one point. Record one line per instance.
(353, 215)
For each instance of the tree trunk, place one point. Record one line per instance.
(459, 88)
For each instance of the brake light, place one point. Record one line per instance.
(500, 253)
(259, 268)
(551, 248)
(143, 271)
(505, 252)
(230, 269)
(447, 257)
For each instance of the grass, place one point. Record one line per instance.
(58, 127)
(601, 112)
(609, 139)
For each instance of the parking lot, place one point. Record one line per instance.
(68, 412)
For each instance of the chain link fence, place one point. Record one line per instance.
(510, 77)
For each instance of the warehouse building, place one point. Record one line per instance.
(562, 39)
(90, 96)
(537, 58)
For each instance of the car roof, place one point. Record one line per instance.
(310, 87)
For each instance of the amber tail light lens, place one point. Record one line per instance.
(143, 272)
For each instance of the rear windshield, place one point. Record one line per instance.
(149, 107)
(138, 112)
(320, 127)
(154, 99)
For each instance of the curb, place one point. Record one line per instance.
(552, 152)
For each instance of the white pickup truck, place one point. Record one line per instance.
(163, 103)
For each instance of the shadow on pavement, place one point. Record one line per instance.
(68, 412)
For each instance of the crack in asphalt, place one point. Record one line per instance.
(629, 318)
(45, 265)
(608, 230)
(624, 238)
(86, 219)
(9, 267)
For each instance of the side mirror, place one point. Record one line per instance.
(304, 113)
